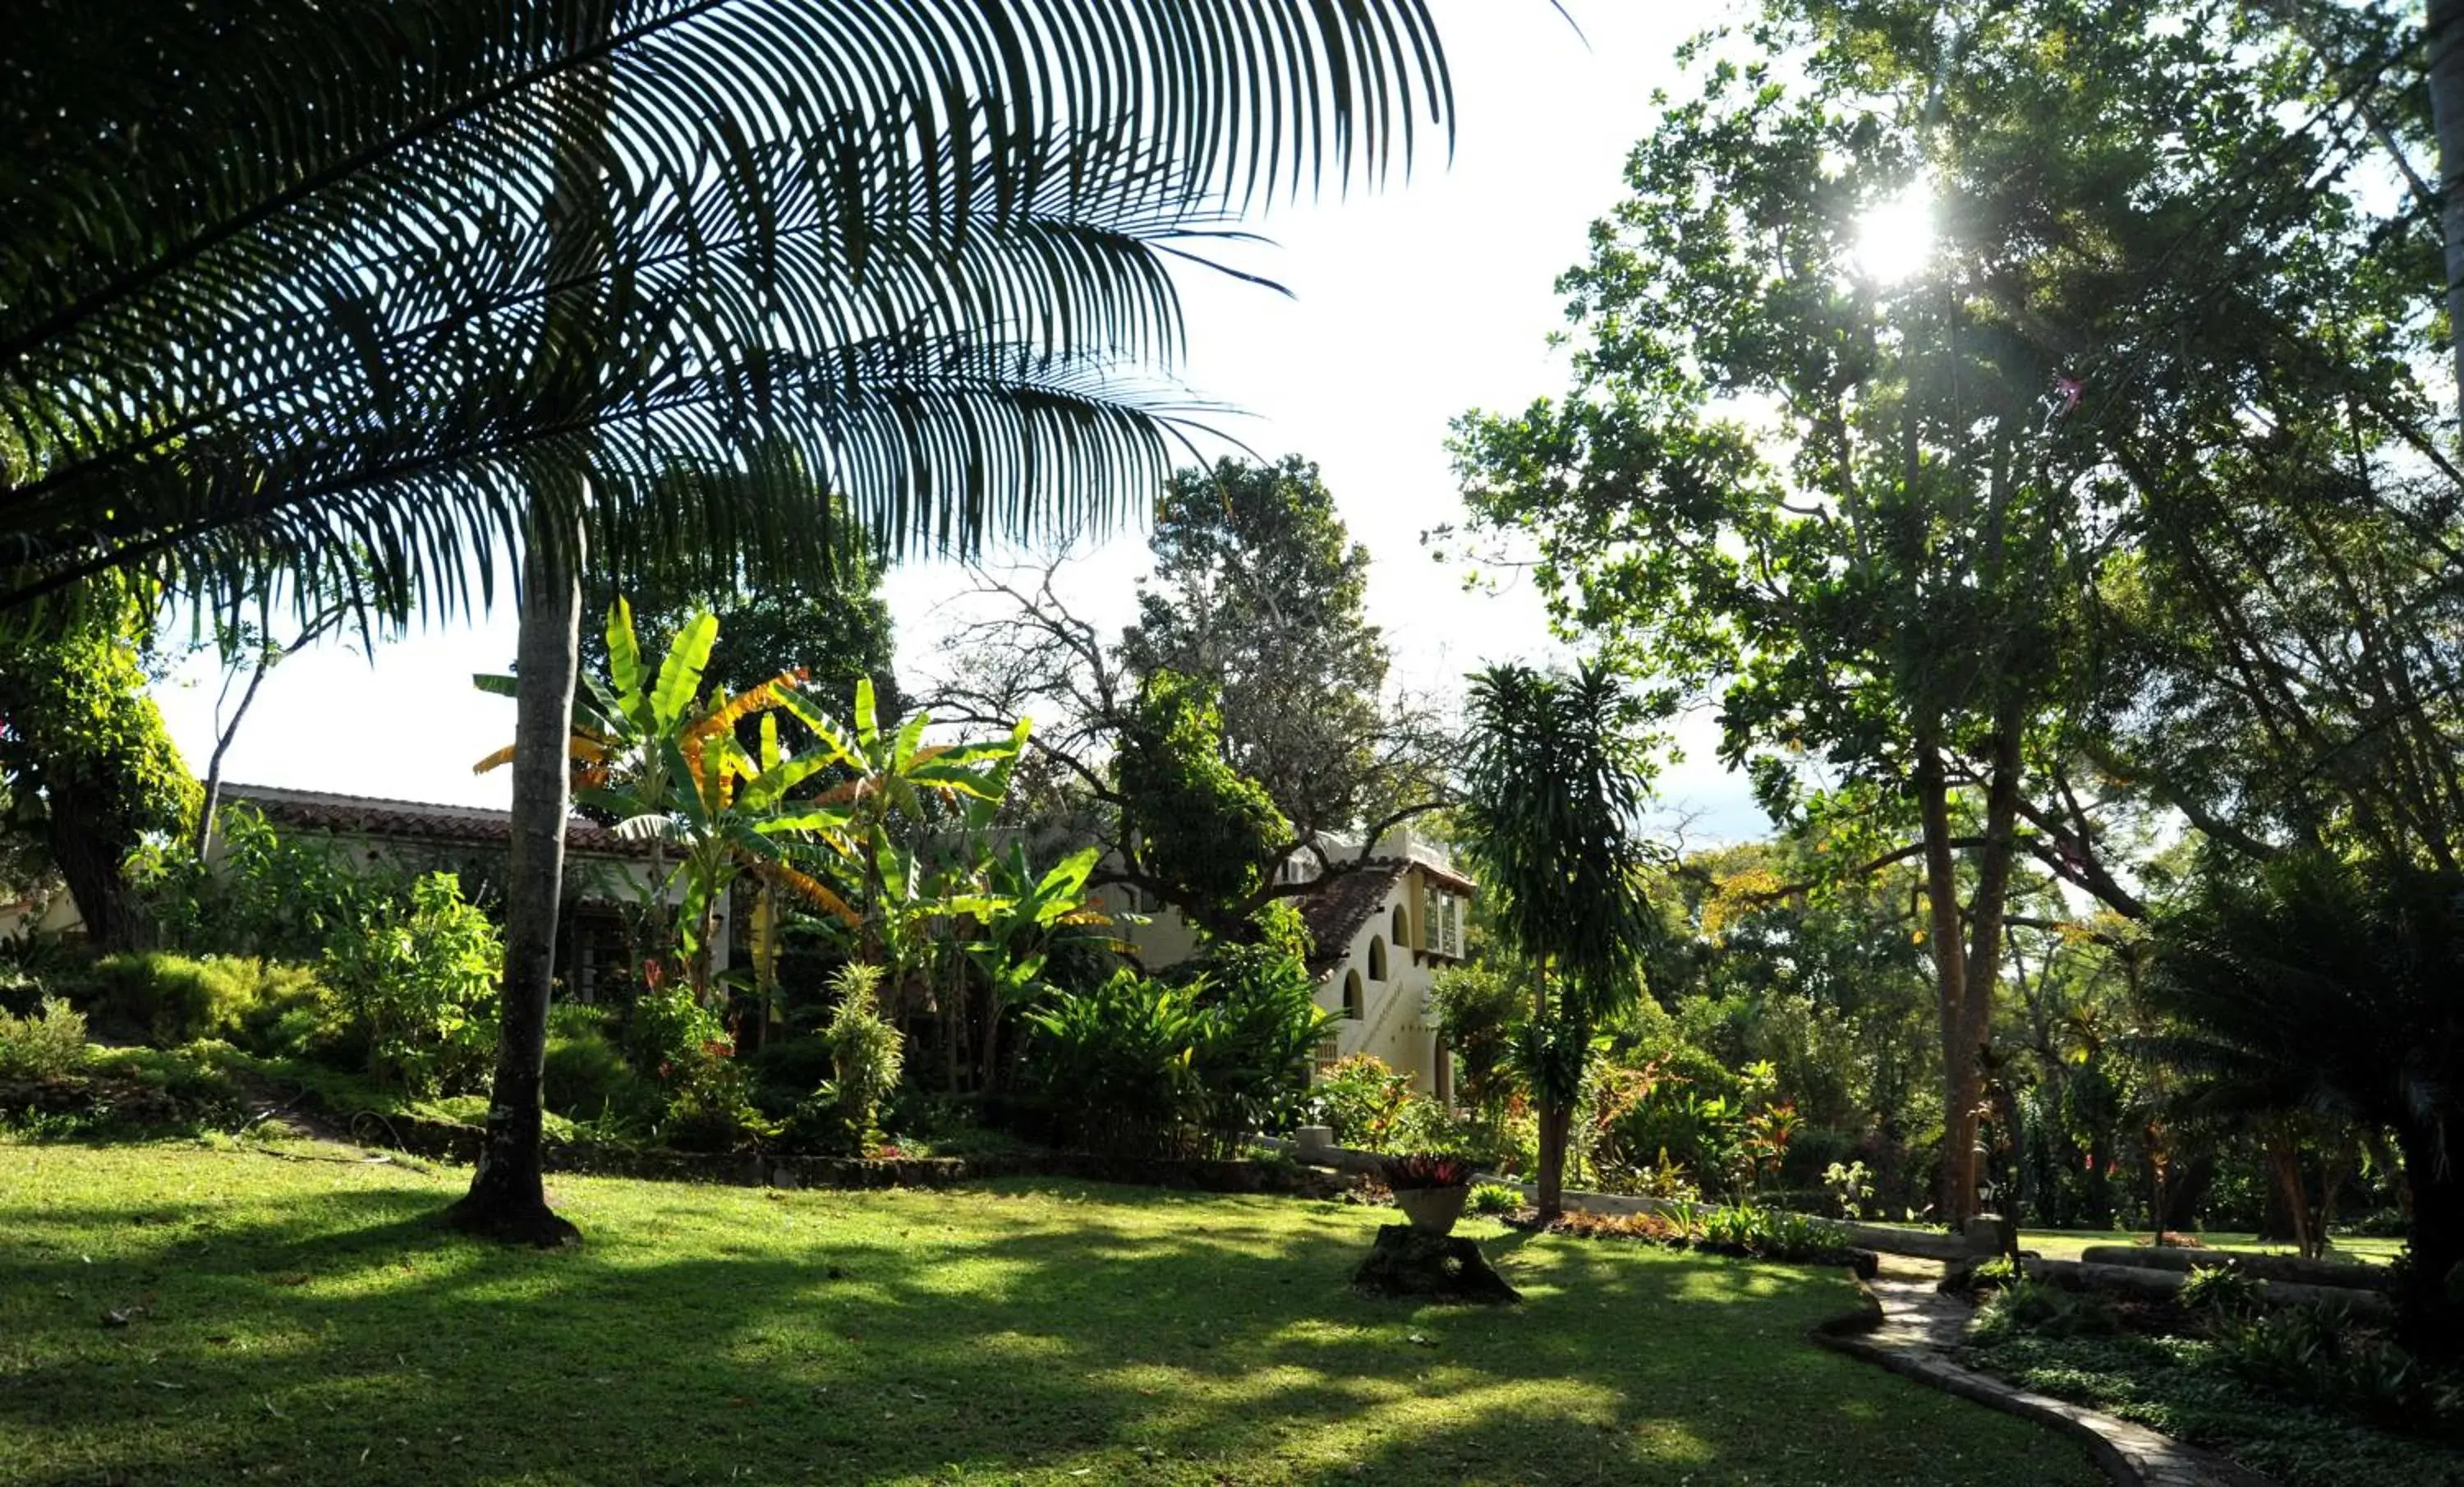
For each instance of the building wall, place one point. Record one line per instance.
(1396, 1024)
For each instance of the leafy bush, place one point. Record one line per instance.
(166, 999)
(1494, 1200)
(46, 1045)
(1994, 1273)
(867, 1055)
(1362, 1099)
(2223, 1291)
(1480, 1010)
(1769, 1234)
(1849, 1186)
(586, 1079)
(266, 894)
(1141, 1064)
(424, 985)
(2045, 1310)
(670, 1033)
(1114, 1064)
(1259, 1026)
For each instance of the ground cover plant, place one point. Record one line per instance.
(2311, 1394)
(299, 1317)
(2188, 1388)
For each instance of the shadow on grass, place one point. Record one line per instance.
(1047, 1331)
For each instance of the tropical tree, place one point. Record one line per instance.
(1018, 920)
(2328, 988)
(1260, 591)
(895, 784)
(832, 626)
(88, 769)
(1553, 784)
(1894, 510)
(663, 759)
(281, 283)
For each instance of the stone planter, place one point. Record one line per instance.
(1433, 1210)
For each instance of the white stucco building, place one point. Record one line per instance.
(1383, 929)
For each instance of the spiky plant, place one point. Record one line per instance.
(2314, 984)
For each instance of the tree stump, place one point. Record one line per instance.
(1438, 1267)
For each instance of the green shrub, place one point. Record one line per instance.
(2223, 1291)
(1849, 1188)
(265, 894)
(170, 1000)
(202, 1076)
(1114, 1064)
(1769, 1234)
(2045, 1310)
(867, 1055)
(586, 1079)
(577, 1019)
(1994, 1273)
(670, 1034)
(1259, 1029)
(2316, 1355)
(424, 985)
(1494, 1200)
(1142, 1064)
(46, 1045)
(165, 999)
(1364, 1102)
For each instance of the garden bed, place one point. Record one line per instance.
(2310, 1395)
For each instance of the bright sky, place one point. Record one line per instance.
(1408, 307)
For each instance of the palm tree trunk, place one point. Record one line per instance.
(507, 1198)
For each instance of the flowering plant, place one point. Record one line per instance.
(1425, 1170)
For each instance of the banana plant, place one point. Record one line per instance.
(1019, 923)
(650, 750)
(893, 772)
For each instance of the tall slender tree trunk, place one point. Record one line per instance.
(1556, 1110)
(2445, 33)
(507, 1198)
(211, 805)
(1963, 1080)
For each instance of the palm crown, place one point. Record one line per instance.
(283, 291)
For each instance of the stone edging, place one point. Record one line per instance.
(2129, 1453)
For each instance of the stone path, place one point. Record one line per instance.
(1919, 1327)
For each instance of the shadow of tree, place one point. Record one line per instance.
(330, 1330)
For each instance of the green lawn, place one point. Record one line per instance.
(301, 1319)
(2065, 1244)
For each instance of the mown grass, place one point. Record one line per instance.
(295, 1314)
(2066, 1244)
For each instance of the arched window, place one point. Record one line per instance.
(1376, 958)
(1402, 926)
(1356, 1005)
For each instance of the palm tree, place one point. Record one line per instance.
(1552, 786)
(2323, 987)
(427, 283)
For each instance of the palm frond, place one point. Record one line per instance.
(285, 282)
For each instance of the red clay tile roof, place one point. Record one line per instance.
(1335, 907)
(414, 820)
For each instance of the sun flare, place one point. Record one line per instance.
(1896, 239)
